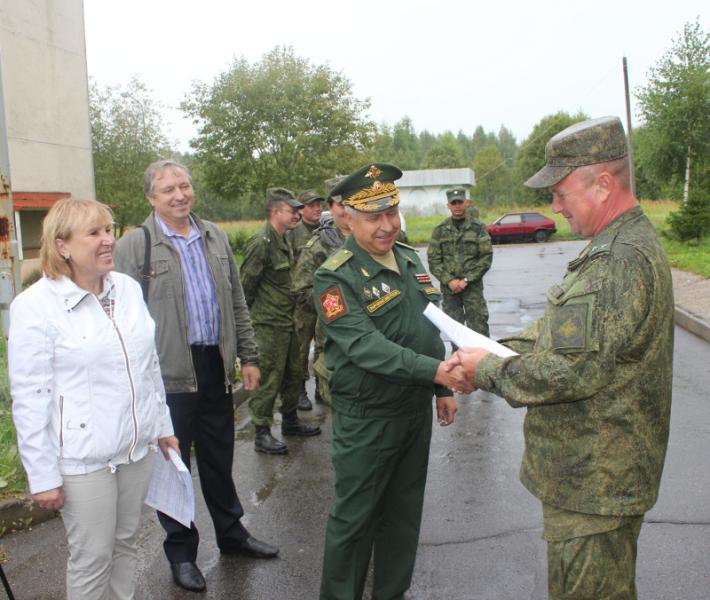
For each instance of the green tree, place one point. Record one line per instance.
(279, 122)
(531, 153)
(507, 145)
(444, 153)
(675, 105)
(492, 176)
(126, 136)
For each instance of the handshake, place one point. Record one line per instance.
(458, 373)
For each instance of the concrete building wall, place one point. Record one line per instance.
(43, 60)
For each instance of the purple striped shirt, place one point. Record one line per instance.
(198, 285)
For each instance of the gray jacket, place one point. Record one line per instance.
(166, 301)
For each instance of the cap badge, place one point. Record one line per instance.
(373, 172)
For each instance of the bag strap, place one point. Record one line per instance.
(145, 271)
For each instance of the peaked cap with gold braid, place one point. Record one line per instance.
(371, 188)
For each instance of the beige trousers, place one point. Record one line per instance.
(102, 512)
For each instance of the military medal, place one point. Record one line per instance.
(423, 277)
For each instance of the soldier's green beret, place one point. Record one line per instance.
(587, 143)
(309, 196)
(330, 184)
(371, 188)
(282, 195)
(456, 195)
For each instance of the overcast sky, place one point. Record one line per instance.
(448, 65)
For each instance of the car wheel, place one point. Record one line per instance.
(540, 236)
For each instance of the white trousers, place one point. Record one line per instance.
(102, 512)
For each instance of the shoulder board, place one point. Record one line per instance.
(337, 260)
(599, 249)
(406, 246)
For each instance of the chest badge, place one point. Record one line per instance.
(367, 292)
(375, 291)
(364, 272)
(385, 288)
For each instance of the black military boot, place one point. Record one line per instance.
(319, 398)
(304, 402)
(267, 443)
(292, 425)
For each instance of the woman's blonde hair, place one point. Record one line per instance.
(59, 224)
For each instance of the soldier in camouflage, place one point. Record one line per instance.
(460, 254)
(595, 373)
(266, 278)
(329, 237)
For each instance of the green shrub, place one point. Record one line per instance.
(238, 240)
(691, 221)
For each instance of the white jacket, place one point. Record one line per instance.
(86, 389)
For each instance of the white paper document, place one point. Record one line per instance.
(461, 335)
(170, 489)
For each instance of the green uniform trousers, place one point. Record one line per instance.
(306, 329)
(280, 374)
(601, 566)
(467, 307)
(380, 474)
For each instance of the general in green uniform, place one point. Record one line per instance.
(595, 373)
(386, 362)
(328, 238)
(459, 255)
(266, 278)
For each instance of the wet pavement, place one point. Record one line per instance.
(481, 534)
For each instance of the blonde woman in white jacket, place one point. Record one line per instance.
(88, 399)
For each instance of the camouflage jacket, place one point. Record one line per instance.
(595, 374)
(382, 350)
(266, 278)
(299, 237)
(458, 252)
(326, 240)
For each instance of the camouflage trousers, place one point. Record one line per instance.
(280, 374)
(305, 328)
(601, 566)
(467, 307)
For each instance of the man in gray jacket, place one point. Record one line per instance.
(202, 326)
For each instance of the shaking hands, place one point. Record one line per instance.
(459, 372)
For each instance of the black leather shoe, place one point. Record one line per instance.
(255, 548)
(304, 402)
(292, 425)
(188, 576)
(267, 443)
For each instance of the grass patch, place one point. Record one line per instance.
(12, 475)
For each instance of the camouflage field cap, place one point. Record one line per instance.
(456, 195)
(586, 143)
(282, 195)
(371, 188)
(309, 196)
(330, 185)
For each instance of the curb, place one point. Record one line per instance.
(21, 513)
(692, 323)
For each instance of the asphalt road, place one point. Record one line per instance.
(481, 533)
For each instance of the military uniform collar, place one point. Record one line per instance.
(368, 266)
(601, 243)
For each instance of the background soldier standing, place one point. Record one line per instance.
(327, 239)
(595, 373)
(459, 255)
(387, 364)
(266, 277)
(305, 315)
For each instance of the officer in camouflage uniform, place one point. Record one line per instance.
(328, 238)
(305, 316)
(387, 364)
(460, 254)
(266, 278)
(595, 373)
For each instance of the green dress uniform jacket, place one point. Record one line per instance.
(383, 352)
(596, 376)
(266, 274)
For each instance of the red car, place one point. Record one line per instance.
(524, 226)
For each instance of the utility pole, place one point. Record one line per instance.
(10, 279)
(628, 128)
